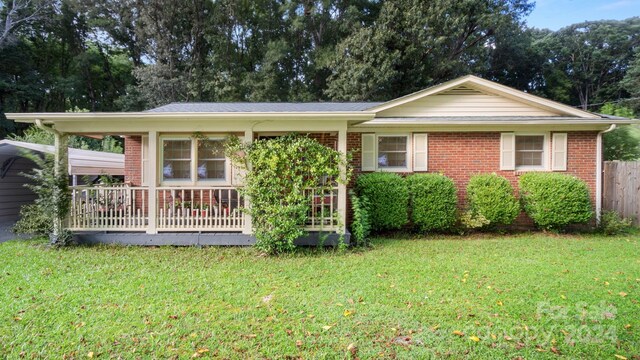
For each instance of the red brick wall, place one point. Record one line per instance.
(133, 160)
(460, 155)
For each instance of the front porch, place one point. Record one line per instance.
(182, 210)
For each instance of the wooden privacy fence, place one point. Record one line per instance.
(621, 191)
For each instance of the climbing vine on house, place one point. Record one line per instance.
(277, 176)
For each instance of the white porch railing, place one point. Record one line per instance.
(103, 208)
(323, 214)
(198, 209)
(124, 208)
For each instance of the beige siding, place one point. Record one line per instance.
(13, 194)
(464, 102)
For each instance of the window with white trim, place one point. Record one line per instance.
(533, 151)
(530, 151)
(211, 160)
(176, 160)
(188, 161)
(394, 152)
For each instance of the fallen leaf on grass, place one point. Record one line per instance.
(627, 326)
(555, 351)
(353, 349)
(326, 327)
(347, 312)
(620, 357)
(474, 338)
(90, 355)
(622, 293)
(458, 332)
(499, 303)
(298, 343)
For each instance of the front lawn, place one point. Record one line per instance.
(530, 296)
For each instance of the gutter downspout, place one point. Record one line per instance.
(599, 171)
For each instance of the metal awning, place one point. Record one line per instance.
(81, 162)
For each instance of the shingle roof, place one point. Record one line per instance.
(265, 107)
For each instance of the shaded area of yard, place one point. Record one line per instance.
(535, 296)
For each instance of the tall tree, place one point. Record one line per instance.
(415, 43)
(591, 59)
(15, 14)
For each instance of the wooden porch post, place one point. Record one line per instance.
(153, 174)
(248, 228)
(61, 170)
(342, 188)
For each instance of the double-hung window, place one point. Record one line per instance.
(176, 160)
(211, 160)
(190, 161)
(531, 151)
(394, 152)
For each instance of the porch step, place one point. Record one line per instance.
(194, 239)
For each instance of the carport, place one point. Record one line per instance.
(13, 193)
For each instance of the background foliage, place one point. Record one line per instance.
(108, 55)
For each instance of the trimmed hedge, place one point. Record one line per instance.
(554, 201)
(433, 199)
(492, 197)
(388, 197)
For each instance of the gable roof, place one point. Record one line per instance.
(81, 162)
(519, 101)
(248, 107)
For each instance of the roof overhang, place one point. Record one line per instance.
(484, 121)
(51, 118)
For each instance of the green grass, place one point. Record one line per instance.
(533, 296)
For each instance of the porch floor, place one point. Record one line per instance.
(195, 238)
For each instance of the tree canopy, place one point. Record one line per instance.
(121, 55)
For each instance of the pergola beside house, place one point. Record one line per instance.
(173, 158)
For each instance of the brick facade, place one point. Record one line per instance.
(133, 160)
(457, 155)
(460, 155)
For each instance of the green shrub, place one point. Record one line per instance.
(281, 169)
(472, 221)
(611, 223)
(33, 221)
(433, 199)
(388, 198)
(492, 197)
(361, 224)
(554, 200)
